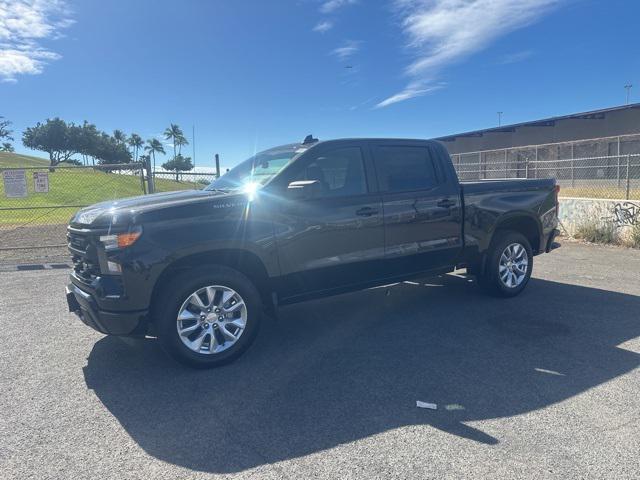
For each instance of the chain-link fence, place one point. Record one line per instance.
(169, 181)
(605, 167)
(613, 176)
(36, 203)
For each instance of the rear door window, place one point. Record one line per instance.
(405, 168)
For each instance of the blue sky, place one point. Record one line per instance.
(252, 74)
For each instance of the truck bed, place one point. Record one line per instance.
(504, 185)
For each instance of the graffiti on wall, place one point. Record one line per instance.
(625, 214)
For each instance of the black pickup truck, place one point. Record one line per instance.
(200, 268)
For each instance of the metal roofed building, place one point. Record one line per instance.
(595, 153)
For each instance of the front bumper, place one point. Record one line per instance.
(113, 323)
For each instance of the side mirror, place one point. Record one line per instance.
(304, 189)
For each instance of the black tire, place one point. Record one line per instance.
(179, 288)
(490, 279)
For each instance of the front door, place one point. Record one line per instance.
(335, 239)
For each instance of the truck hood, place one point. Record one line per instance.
(124, 210)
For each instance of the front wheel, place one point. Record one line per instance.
(209, 316)
(509, 265)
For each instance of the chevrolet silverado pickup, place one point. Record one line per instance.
(199, 269)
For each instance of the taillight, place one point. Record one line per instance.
(557, 190)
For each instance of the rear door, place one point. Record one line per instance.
(422, 211)
(336, 239)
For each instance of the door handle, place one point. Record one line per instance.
(366, 212)
(446, 203)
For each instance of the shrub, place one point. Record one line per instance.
(597, 232)
(635, 236)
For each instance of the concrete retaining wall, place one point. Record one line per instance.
(623, 214)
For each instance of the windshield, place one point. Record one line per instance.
(257, 170)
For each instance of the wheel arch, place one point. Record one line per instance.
(522, 223)
(243, 261)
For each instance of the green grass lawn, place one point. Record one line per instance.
(69, 188)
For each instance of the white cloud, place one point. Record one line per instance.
(323, 26)
(332, 5)
(441, 32)
(347, 50)
(23, 25)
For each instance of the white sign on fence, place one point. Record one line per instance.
(41, 182)
(15, 183)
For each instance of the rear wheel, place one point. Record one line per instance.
(509, 265)
(209, 316)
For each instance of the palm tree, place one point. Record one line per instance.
(154, 146)
(135, 141)
(120, 136)
(175, 134)
(180, 142)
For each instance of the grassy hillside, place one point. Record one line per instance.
(69, 189)
(15, 160)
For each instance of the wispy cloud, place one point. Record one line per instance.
(442, 32)
(515, 57)
(332, 5)
(24, 24)
(414, 90)
(347, 50)
(323, 26)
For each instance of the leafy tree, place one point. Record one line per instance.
(5, 132)
(178, 164)
(7, 147)
(135, 141)
(110, 151)
(176, 136)
(87, 141)
(154, 146)
(55, 137)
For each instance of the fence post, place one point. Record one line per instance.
(505, 164)
(628, 179)
(144, 187)
(618, 162)
(217, 166)
(150, 179)
(573, 174)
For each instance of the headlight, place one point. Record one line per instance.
(120, 240)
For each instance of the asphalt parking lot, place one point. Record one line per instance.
(545, 385)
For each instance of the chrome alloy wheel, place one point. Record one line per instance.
(212, 319)
(513, 266)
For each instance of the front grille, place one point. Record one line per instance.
(77, 243)
(83, 254)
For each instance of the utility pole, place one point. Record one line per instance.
(500, 118)
(628, 89)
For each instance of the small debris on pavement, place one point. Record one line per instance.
(431, 406)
